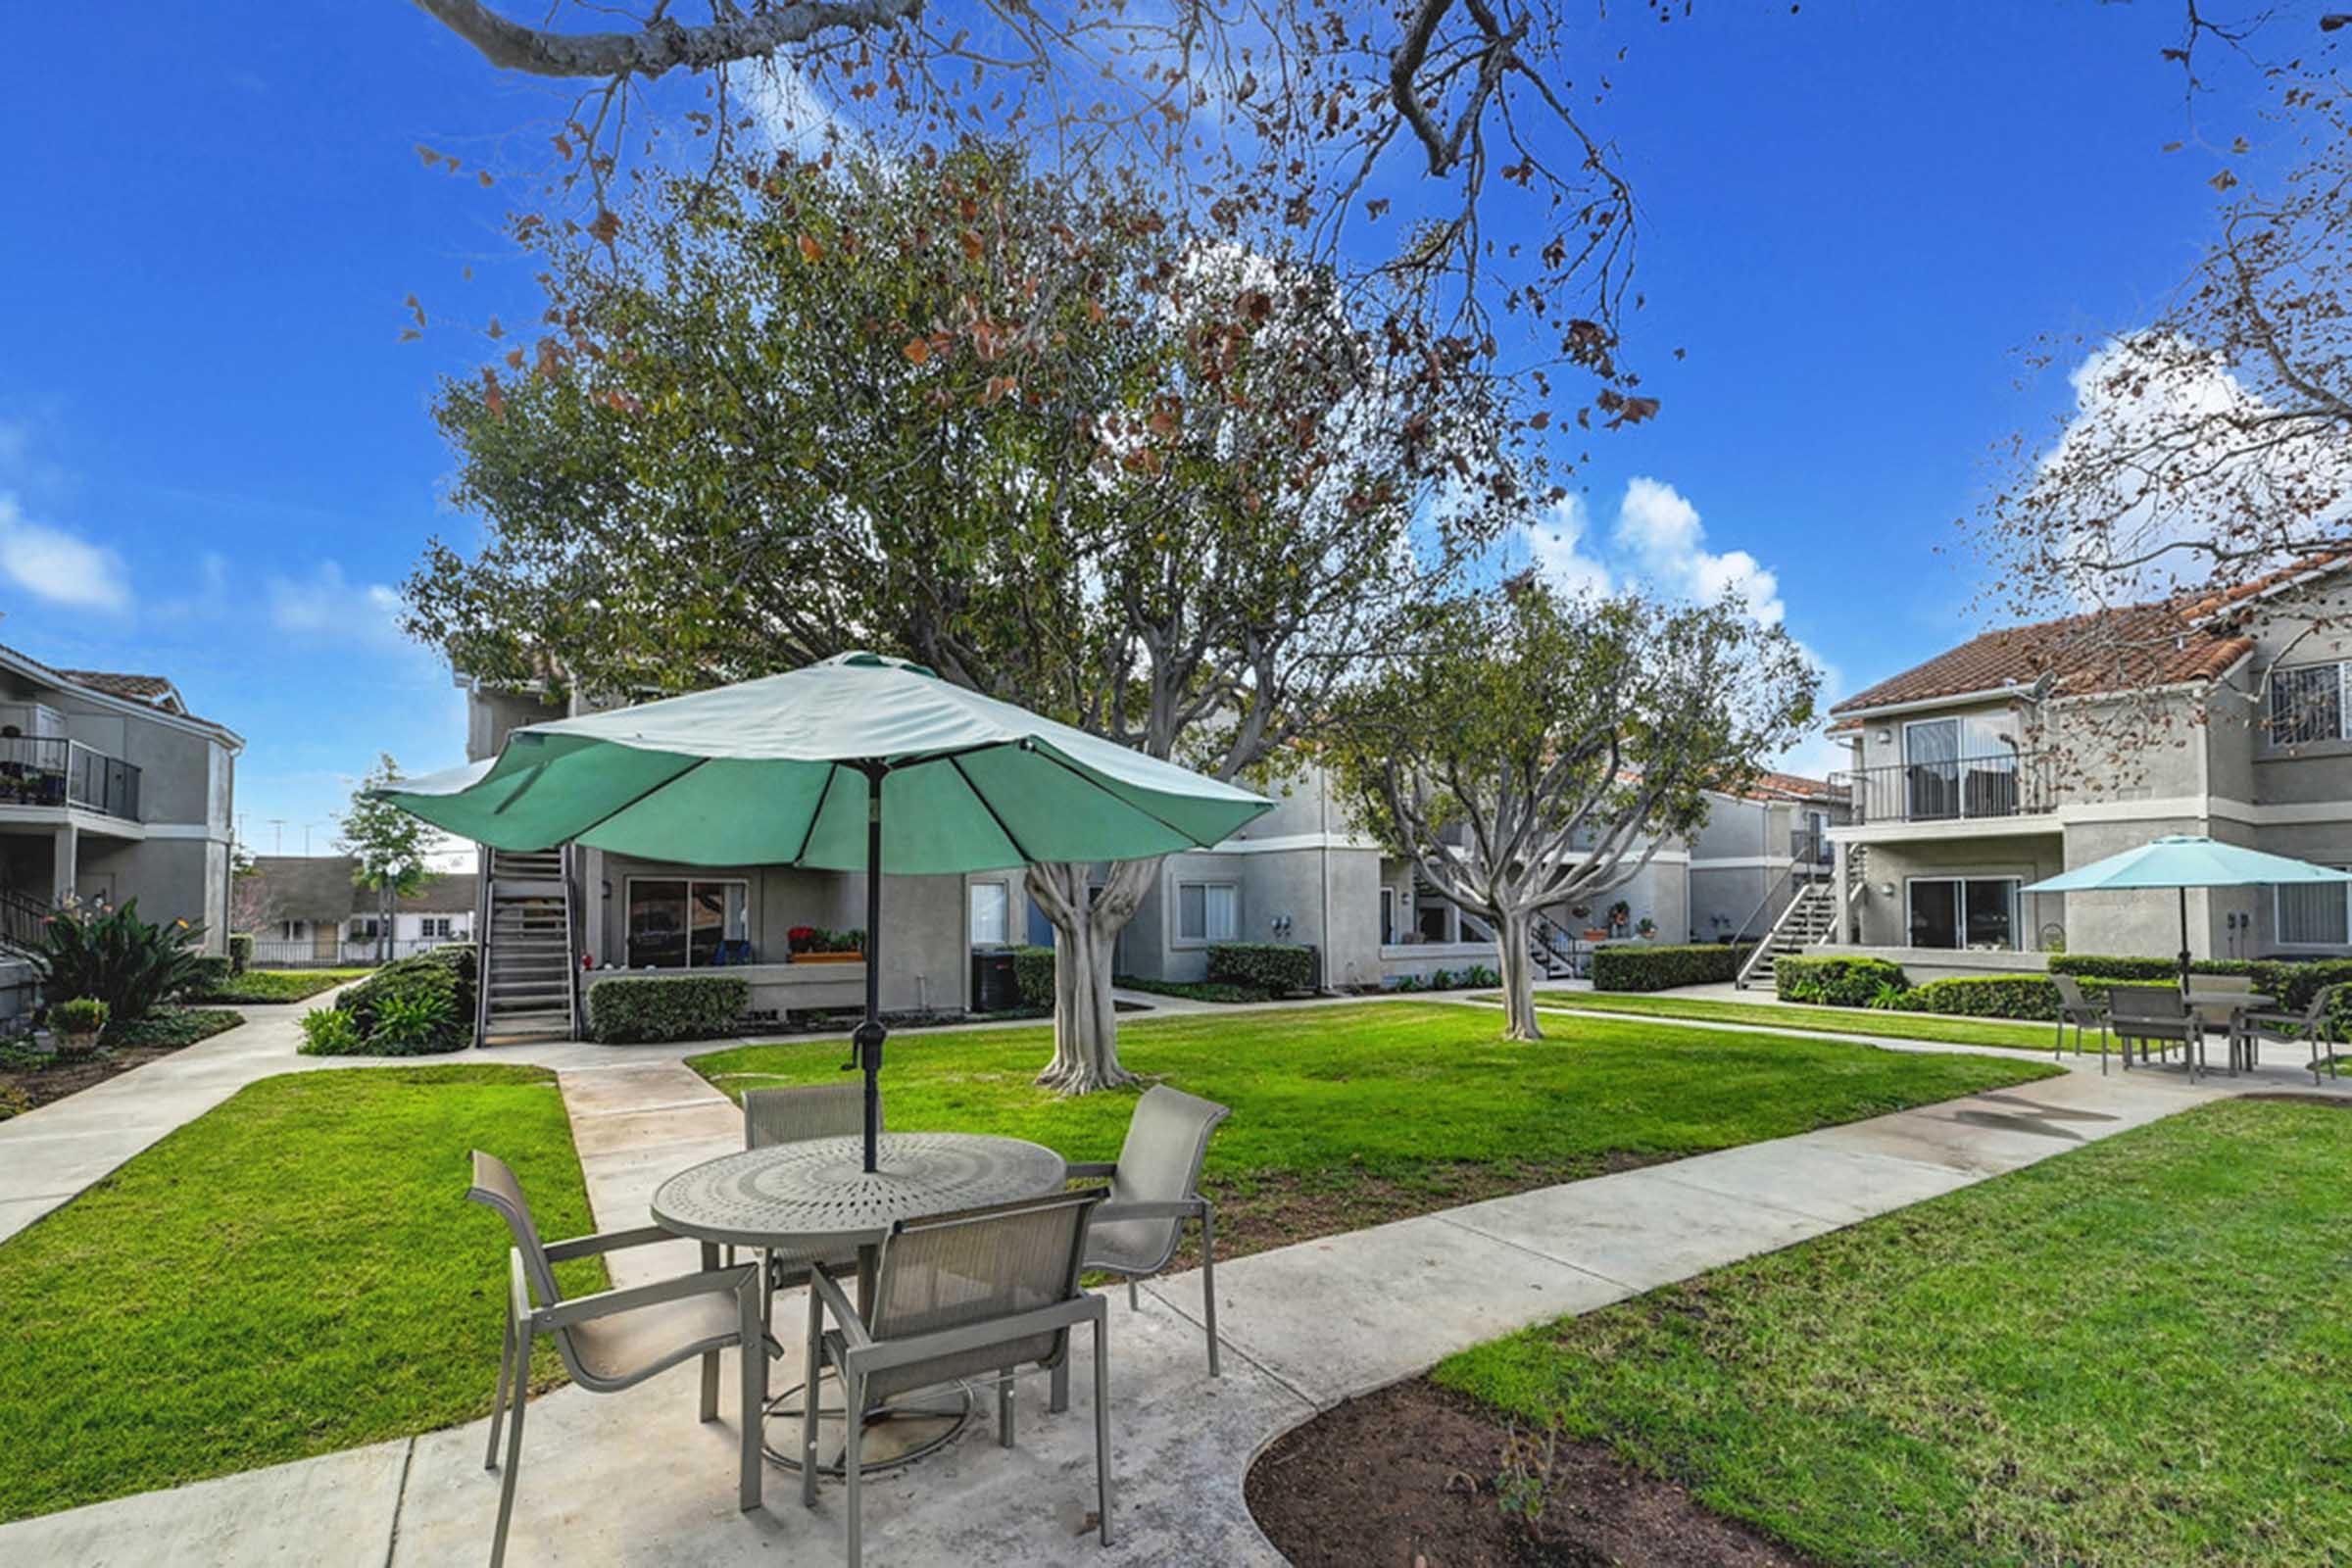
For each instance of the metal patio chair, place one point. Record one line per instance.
(2313, 1026)
(616, 1340)
(976, 1293)
(799, 1115)
(2155, 1016)
(2080, 1011)
(1154, 1187)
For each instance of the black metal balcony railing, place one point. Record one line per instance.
(1808, 848)
(1963, 789)
(38, 771)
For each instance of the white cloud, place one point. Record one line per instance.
(792, 110)
(1555, 542)
(326, 606)
(53, 564)
(1661, 531)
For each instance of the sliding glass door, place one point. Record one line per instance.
(1956, 768)
(676, 923)
(1978, 912)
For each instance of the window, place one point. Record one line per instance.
(363, 928)
(1387, 916)
(991, 903)
(292, 930)
(1208, 911)
(434, 927)
(679, 925)
(1956, 768)
(1963, 911)
(2314, 914)
(2307, 705)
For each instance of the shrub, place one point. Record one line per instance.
(79, 1015)
(1275, 968)
(1656, 969)
(117, 958)
(212, 973)
(14, 1102)
(1033, 975)
(627, 1011)
(331, 1032)
(1192, 989)
(2114, 967)
(240, 951)
(1843, 982)
(1989, 995)
(437, 984)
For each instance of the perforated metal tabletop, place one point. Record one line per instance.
(817, 1196)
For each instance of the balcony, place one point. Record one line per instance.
(1809, 848)
(37, 771)
(1962, 789)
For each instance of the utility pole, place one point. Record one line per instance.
(277, 844)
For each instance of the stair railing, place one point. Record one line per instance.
(1762, 953)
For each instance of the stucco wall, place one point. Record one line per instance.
(2026, 856)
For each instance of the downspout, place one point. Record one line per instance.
(228, 872)
(1323, 819)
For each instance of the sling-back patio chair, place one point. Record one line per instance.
(616, 1340)
(797, 1116)
(980, 1293)
(2155, 1016)
(2313, 1026)
(1154, 1187)
(2075, 1009)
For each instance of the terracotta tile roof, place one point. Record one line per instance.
(2124, 649)
(138, 688)
(1793, 787)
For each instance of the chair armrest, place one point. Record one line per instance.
(603, 1303)
(1099, 1170)
(1158, 1208)
(826, 1290)
(608, 1242)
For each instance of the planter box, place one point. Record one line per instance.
(828, 957)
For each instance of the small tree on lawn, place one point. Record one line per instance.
(1529, 748)
(251, 907)
(390, 845)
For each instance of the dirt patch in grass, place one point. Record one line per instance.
(147, 1041)
(1412, 1477)
(1275, 1208)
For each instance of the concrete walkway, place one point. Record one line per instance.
(632, 1478)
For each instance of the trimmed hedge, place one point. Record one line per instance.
(1274, 967)
(240, 951)
(1033, 976)
(1844, 982)
(2029, 997)
(441, 978)
(2114, 967)
(629, 1011)
(212, 971)
(1647, 968)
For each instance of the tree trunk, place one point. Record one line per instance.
(1511, 950)
(1086, 934)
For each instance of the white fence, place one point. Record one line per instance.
(350, 952)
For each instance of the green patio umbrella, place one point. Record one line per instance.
(2180, 861)
(860, 762)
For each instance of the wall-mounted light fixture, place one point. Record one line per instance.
(1885, 889)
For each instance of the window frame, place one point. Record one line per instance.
(2278, 934)
(2343, 704)
(1004, 891)
(1960, 911)
(628, 899)
(1206, 939)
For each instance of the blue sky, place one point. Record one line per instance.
(215, 461)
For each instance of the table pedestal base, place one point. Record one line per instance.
(897, 1432)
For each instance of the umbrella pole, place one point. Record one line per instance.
(2184, 941)
(870, 1034)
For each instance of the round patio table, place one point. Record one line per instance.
(815, 1199)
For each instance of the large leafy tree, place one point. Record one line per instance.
(1030, 437)
(1530, 749)
(388, 845)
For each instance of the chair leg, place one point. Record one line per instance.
(1059, 1400)
(752, 1352)
(852, 1457)
(812, 1371)
(1209, 1280)
(505, 1372)
(1004, 1409)
(505, 1485)
(1103, 1426)
(1134, 1301)
(710, 1387)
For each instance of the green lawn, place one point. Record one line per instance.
(281, 985)
(2134, 1353)
(1348, 1116)
(294, 1272)
(1828, 1020)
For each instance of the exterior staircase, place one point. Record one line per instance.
(529, 948)
(1812, 914)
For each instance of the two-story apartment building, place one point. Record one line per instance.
(311, 912)
(110, 790)
(2036, 748)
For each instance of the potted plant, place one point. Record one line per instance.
(1620, 913)
(814, 944)
(1646, 928)
(76, 1024)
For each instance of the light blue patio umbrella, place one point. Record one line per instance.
(2180, 861)
(857, 763)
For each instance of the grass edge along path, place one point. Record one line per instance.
(294, 1272)
(2126, 1354)
(1348, 1117)
(1931, 1028)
